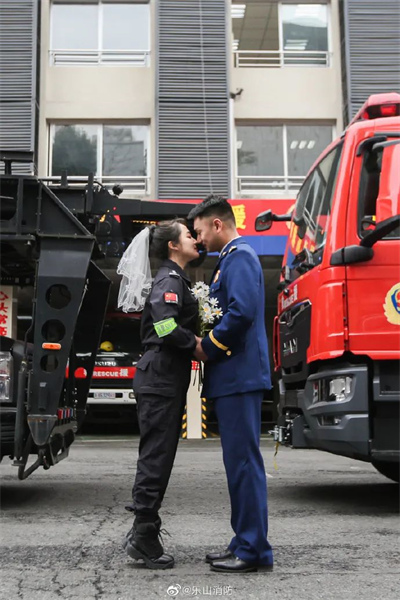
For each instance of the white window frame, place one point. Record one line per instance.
(286, 177)
(328, 25)
(99, 158)
(98, 52)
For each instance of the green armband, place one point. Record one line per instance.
(165, 327)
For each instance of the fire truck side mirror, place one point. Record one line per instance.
(265, 219)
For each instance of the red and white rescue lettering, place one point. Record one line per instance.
(6, 307)
(114, 373)
(170, 298)
(105, 373)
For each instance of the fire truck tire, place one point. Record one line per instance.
(391, 470)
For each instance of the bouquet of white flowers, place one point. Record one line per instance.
(208, 307)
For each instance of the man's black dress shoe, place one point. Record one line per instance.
(211, 556)
(237, 565)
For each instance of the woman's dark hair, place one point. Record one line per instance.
(161, 234)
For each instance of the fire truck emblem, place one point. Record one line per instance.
(392, 305)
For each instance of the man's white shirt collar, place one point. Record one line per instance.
(236, 238)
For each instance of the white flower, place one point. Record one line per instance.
(208, 307)
(201, 287)
(201, 291)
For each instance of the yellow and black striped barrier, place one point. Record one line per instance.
(203, 418)
(184, 425)
(194, 420)
(184, 430)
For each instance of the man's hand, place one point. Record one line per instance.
(199, 352)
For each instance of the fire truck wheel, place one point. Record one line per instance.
(388, 469)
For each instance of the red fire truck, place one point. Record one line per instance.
(337, 332)
(111, 398)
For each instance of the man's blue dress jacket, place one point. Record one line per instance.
(237, 347)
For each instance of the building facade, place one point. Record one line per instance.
(182, 98)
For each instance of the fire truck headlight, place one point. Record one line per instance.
(339, 389)
(5, 376)
(131, 395)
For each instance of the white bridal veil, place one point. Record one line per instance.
(134, 267)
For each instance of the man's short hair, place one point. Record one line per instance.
(213, 206)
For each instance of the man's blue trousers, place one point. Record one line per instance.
(239, 421)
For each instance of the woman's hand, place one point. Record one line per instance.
(199, 352)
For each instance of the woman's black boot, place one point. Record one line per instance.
(143, 542)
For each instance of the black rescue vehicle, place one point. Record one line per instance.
(53, 237)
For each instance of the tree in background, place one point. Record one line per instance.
(74, 151)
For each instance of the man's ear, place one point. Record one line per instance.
(217, 224)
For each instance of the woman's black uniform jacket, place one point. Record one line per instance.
(168, 328)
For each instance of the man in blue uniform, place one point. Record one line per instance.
(236, 374)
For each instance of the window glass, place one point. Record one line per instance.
(314, 206)
(313, 209)
(260, 150)
(305, 143)
(124, 334)
(104, 150)
(255, 25)
(124, 150)
(304, 29)
(370, 182)
(74, 27)
(75, 149)
(126, 27)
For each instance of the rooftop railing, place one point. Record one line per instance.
(281, 58)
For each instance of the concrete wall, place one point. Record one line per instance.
(287, 94)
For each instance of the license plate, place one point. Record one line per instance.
(104, 395)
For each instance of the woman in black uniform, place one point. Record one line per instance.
(168, 333)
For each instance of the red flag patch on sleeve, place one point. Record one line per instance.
(170, 298)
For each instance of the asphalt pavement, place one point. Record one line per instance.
(333, 524)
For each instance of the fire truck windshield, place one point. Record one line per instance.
(123, 334)
(311, 215)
